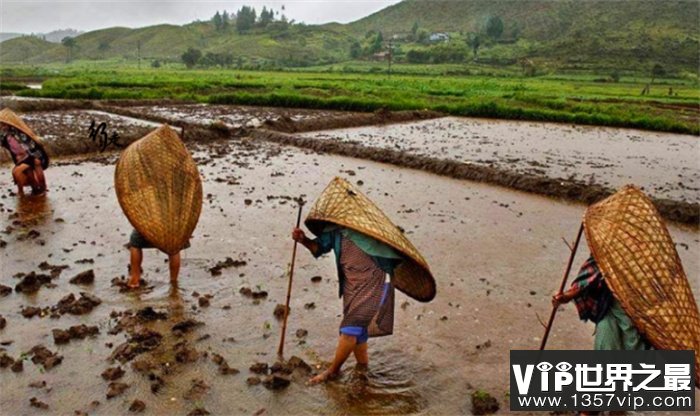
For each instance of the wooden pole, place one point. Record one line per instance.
(280, 350)
(561, 288)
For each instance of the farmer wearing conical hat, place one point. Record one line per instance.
(633, 286)
(372, 258)
(160, 191)
(596, 303)
(364, 269)
(26, 152)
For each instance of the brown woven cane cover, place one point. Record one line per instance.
(634, 250)
(342, 204)
(159, 189)
(9, 117)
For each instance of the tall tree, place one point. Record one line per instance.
(217, 20)
(494, 27)
(474, 42)
(225, 19)
(69, 44)
(191, 57)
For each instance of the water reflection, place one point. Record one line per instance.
(33, 209)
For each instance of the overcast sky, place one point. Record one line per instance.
(42, 16)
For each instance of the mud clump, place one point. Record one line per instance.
(483, 403)
(280, 311)
(3, 322)
(276, 381)
(224, 368)
(32, 282)
(112, 373)
(55, 271)
(199, 411)
(140, 342)
(186, 326)
(253, 381)
(80, 306)
(197, 390)
(116, 389)
(5, 290)
(137, 406)
(316, 279)
(250, 293)
(63, 336)
(84, 278)
(34, 402)
(32, 311)
(185, 354)
(44, 357)
(5, 360)
(229, 262)
(302, 333)
(259, 368)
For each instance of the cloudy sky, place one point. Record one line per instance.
(41, 16)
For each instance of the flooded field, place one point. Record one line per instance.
(497, 256)
(249, 117)
(663, 164)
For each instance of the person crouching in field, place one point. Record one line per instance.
(28, 169)
(365, 266)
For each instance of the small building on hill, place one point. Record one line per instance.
(439, 37)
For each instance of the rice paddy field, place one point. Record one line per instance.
(671, 105)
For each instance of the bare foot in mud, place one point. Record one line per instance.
(133, 284)
(327, 375)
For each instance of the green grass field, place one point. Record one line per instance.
(561, 98)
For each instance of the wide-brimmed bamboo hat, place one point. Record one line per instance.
(639, 261)
(10, 118)
(342, 204)
(159, 189)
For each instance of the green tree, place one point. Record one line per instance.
(494, 27)
(70, 45)
(377, 43)
(245, 19)
(474, 42)
(217, 20)
(266, 17)
(355, 50)
(657, 71)
(414, 31)
(191, 57)
(225, 20)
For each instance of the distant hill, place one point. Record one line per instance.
(7, 36)
(561, 35)
(57, 35)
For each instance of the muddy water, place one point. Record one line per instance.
(496, 254)
(665, 164)
(231, 116)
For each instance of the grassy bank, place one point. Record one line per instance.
(581, 100)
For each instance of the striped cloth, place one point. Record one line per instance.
(593, 297)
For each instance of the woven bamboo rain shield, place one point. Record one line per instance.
(159, 189)
(634, 250)
(9, 117)
(342, 204)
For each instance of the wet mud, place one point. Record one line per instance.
(680, 211)
(162, 350)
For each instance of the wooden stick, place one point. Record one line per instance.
(280, 350)
(561, 288)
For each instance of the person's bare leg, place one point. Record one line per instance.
(135, 272)
(346, 345)
(39, 175)
(361, 355)
(174, 264)
(19, 174)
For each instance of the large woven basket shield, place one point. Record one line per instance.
(634, 250)
(159, 189)
(9, 117)
(342, 204)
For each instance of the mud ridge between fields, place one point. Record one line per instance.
(679, 211)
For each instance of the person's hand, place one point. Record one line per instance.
(559, 298)
(298, 235)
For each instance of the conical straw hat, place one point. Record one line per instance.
(9, 117)
(159, 189)
(342, 204)
(634, 250)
